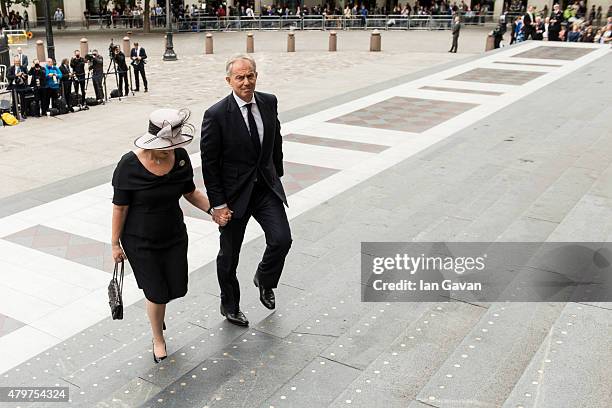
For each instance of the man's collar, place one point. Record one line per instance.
(242, 103)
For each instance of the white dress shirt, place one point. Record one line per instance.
(256, 114)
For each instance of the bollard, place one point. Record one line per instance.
(40, 51)
(84, 47)
(291, 42)
(375, 41)
(490, 44)
(126, 46)
(333, 41)
(209, 43)
(250, 43)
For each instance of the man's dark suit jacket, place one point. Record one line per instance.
(539, 31)
(229, 160)
(11, 75)
(65, 73)
(142, 54)
(456, 29)
(24, 61)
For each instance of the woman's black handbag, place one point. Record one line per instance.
(115, 289)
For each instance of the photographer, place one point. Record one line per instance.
(18, 81)
(67, 78)
(38, 81)
(96, 67)
(122, 70)
(77, 63)
(54, 76)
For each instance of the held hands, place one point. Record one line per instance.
(222, 216)
(118, 254)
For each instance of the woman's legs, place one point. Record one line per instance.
(156, 313)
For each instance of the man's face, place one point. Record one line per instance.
(243, 79)
(50, 62)
(17, 62)
(77, 54)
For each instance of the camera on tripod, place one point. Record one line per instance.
(112, 47)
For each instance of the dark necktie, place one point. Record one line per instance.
(253, 129)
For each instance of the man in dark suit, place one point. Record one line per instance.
(139, 59)
(529, 23)
(23, 59)
(455, 31)
(17, 76)
(242, 162)
(538, 34)
(66, 82)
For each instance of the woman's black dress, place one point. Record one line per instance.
(154, 236)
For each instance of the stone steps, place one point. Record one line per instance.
(396, 375)
(488, 362)
(573, 365)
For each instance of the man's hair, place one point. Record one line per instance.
(230, 62)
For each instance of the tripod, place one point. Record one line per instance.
(108, 70)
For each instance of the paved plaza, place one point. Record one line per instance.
(411, 144)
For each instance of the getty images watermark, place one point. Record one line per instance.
(486, 271)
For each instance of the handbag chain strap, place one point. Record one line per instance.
(119, 276)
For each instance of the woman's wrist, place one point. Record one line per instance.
(115, 243)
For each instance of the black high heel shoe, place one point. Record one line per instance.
(155, 358)
(164, 325)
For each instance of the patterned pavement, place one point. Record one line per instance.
(75, 248)
(404, 114)
(551, 52)
(497, 76)
(468, 91)
(340, 144)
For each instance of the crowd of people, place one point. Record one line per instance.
(14, 21)
(573, 25)
(44, 88)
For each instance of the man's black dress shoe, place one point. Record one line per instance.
(237, 318)
(266, 296)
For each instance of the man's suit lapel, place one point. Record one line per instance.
(236, 117)
(266, 116)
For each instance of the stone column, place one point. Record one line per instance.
(291, 42)
(84, 47)
(375, 41)
(40, 51)
(209, 43)
(333, 41)
(250, 46)
(126, 46)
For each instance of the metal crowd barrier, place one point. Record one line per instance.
(309, 22)
(314, 22)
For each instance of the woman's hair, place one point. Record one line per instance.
(65, 61)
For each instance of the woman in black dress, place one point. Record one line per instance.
(147, 224)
